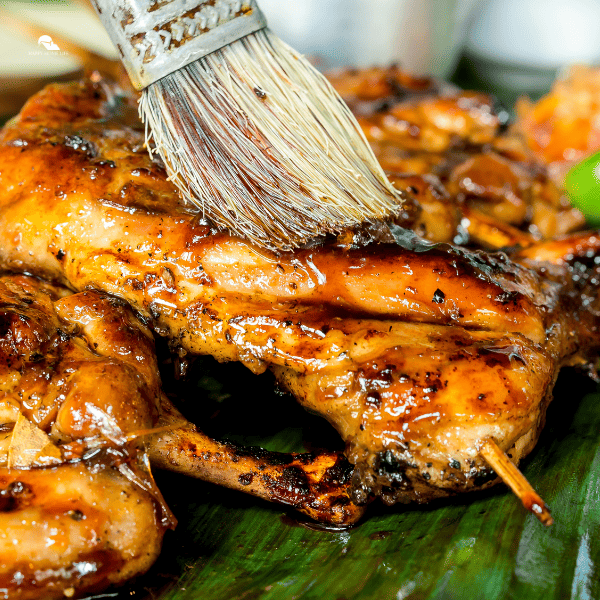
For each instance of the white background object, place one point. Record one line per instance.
(536, 33)
(521, 44)
(21, 56)
(424, 36)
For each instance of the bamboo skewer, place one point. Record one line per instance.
(515, 480)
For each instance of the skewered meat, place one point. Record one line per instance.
(416, 353)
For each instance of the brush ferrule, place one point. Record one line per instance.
(157, 37)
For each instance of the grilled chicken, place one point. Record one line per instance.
(415, 352)
(81, 411)
(562, 128)
(422, 127)
(78, 510)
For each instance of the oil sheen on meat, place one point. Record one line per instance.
(415, 352)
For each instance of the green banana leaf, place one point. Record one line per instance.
(229, 546)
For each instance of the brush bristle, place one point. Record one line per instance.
(260, 141)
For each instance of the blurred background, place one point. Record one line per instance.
(507, 47)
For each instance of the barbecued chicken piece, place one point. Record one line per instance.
(78, 509)
(562, 128)
(80, 412)
(69, 530)
(416, 353)
(423, 127)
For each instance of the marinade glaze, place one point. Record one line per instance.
(414, 352)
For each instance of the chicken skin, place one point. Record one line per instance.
(422, 127)
(81, 414)
(415, 352)
(78, 508)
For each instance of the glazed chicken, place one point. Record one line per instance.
(563, 127)
(416, 352)
(78, 507)
(494, 179)
(81, 410)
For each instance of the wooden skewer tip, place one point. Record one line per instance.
(515, 480)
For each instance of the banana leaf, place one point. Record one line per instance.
(478, 546)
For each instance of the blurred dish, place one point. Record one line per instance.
(424, 37)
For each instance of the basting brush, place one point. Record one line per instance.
(247, 128)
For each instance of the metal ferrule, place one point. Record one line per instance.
(157, 37)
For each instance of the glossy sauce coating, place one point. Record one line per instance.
(78, 510)
(424, 127)
(413, 351)
(68, 530)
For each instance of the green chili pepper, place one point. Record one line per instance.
(583, 187)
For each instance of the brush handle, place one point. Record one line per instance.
(157, 37)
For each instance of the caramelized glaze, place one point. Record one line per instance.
(414, 351)
(78, 511)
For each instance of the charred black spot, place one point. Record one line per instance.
(438, 296)
(246, 478)
(339, 474)
(454, 464)
(484, 476)
(340, 501)
(15, 496)
(386, 375)
(76, 515)
(60, 254)
(6, 320)
(61, 335)
(374, 399)
(80, 144)
(116, 302)
(294, 480)
(18, 488)
(387, 465)
(507, 297)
